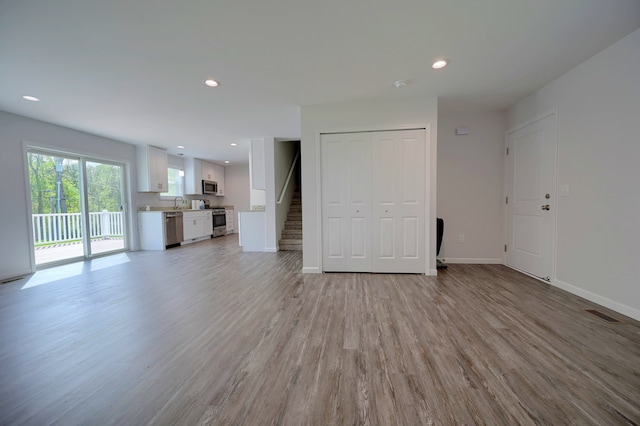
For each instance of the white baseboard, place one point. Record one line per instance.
(311, 270)
(491, 261)
(271, 249)
(16, 274)
(600, 300)
(432, 272)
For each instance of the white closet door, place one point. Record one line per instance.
(399, 164)
(346, 202)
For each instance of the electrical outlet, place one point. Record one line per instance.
(461, 238)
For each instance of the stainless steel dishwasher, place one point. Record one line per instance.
(173, 228)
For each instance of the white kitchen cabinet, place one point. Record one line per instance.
(219, 177)
(209, 171)
(197, 224)
(195, 171)
(192, 176)
(207, 224)
(152, 169)
(151, 230)
(252, 227)
(229, 213)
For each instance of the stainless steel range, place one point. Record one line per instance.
(219, 221)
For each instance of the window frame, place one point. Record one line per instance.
(163, 195)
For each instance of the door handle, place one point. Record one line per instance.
(546, 207)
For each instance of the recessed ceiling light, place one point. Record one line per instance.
(181, 146)
(440, 63)
(226, 161)
(233, 144)
(211, 83)
(30, 98)
(400, 83)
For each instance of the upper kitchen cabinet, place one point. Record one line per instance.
(195, 171)
(192, 176)
(208, 171)
(152, 169)
(219, 177)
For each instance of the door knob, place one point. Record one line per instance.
(546, 207)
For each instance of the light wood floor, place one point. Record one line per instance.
(206, 334)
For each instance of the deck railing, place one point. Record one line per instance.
(64, 227)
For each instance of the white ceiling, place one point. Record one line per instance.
(134, 70)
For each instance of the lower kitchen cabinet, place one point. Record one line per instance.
(229, 217)
(197, 224)
(151, 230)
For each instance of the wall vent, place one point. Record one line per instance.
(601, 315)
(10, 280)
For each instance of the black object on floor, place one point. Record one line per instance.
(440, 231)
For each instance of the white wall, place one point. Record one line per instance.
(236, 183)
(470, 185)
(355, 116)
(15, 215)
(598, 225)
(257, 180)
(261, 174)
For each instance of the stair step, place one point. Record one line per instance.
(290, 244)
(290, 224)
(292, 234)
(291, 241)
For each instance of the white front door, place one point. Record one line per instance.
(531, 197)
(373, 201)
(398, 201)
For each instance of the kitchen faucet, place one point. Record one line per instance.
(175, 202)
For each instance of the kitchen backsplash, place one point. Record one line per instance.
(150, 199)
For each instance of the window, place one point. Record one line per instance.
(176, 183)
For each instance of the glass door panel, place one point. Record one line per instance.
(56, 204)
(105, 200)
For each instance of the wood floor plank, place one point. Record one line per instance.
(206, 334)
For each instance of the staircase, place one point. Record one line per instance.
(292, 232)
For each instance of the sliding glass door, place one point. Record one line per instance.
(78, 207)
(105, 201)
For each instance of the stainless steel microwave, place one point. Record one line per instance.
(209, 187)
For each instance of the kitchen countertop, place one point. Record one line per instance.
(168, 209)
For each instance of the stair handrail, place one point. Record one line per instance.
(286, 182)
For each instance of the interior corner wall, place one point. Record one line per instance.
(15, 130)
(357, 116)
(598, 104)
(470, 185)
